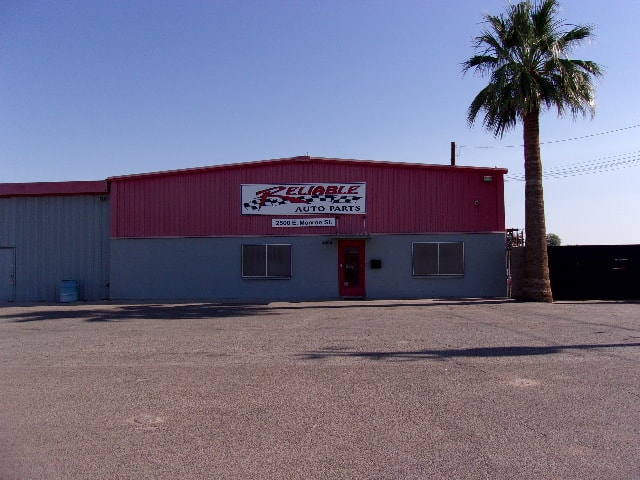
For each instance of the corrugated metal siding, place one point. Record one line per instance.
(401, 198)
(57, 238)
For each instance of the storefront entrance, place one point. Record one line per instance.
(351, 268)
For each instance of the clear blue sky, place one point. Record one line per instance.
(93, 89)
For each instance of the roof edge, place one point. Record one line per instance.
(41, 189)
(301, 159)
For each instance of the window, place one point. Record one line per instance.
(266, 261)
(438, 258)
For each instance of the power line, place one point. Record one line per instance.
(592, 135)
(601, 165)
(554, 141)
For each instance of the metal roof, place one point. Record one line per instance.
(299, 159)
(41, 189)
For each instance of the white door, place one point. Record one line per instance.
(7, 274)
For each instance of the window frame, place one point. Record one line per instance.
(266, 256)
(437, 272)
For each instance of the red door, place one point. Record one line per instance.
(351, 268)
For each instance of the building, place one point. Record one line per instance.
(289, 229)
(50, 232)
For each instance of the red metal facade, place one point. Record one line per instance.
(401, 198)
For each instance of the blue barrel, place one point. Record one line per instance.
(68, 291)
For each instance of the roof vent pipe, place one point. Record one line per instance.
(453, 154)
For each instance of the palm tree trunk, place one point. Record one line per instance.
(536, 284)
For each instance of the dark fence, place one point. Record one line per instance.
(595, 272)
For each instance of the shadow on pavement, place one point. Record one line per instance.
(111, 312)
(478, 352)
(163, 311)
(146, 312)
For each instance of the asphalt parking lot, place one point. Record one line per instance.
(422, 389)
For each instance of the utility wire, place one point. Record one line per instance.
(605, 164)
(554, 141)
(591, 135)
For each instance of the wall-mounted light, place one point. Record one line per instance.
(327, 242)
(487, 179)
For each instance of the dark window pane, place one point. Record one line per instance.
(265, 261)
(425, 258)
(433, 258)
(254, 261)
(351, 266)
(279, 260)
(451, 259)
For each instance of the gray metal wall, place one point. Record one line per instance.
(210, 269)
(57, 238)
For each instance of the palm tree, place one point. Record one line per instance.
(524, 52)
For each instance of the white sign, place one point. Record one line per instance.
(303, 222)
(304, 199)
